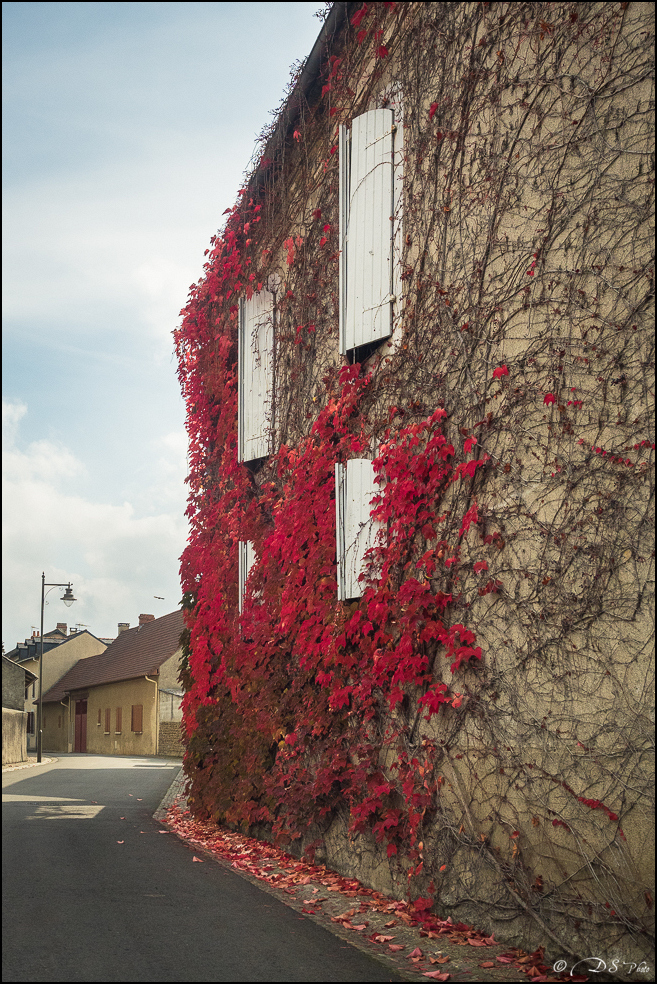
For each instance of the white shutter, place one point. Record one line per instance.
(366, 209)
(255, 371)
(246, 561)
(355, 529)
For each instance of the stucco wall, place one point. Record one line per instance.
(14, 743)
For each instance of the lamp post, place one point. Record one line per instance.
(68, 600)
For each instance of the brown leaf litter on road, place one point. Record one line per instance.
(410, 940)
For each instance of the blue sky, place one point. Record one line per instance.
(127, 128)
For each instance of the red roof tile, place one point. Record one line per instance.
(134, 653)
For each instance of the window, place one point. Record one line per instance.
(30, 722)
(255, 374)
(119, 715)
(137, 718)
(355, 529)
(246, 561)
(100, 714)
(108, 720)
(368, 198)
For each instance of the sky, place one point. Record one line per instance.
(127, 128)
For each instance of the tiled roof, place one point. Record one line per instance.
(134, 653)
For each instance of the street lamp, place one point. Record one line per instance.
(68, 600)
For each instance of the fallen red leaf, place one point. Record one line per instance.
(417, 952)
(436, 975)
(477, 942)
(197, 859)
(488, 963)
(395, 947)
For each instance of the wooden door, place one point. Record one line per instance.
(80, 726)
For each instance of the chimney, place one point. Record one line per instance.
(146, 618)
(123, 626)
(62, 627)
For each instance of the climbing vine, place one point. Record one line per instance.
(480, 716)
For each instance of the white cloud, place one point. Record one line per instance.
(116, 559)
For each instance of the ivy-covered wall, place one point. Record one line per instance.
(475, 730)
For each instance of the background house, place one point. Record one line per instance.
(124, 700)
(418, 369)
(16, 681)
(60, 653)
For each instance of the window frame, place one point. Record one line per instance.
(385, 122)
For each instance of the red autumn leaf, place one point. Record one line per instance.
(358, 16)
(487, 964)
(469, 444)
(436, 975)
(317, 214)
(432, 109)
(395, 947)
(323, 241)
(474, 942)
(297, 136)
(200, 861)
(500, 371)
(549, 398)
(481, 565)
(417, 952)
(382, 51)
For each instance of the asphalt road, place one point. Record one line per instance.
(92, 891)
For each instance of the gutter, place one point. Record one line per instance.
(157, 713)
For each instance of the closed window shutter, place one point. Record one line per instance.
(137, 717)
(366, 229)
(255, 375)
(246, 561)
(355, 529)
(119, 716)
(108, 718)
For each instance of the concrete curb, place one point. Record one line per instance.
(27, 765)
(176, 791)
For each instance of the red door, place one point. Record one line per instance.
(80, 726)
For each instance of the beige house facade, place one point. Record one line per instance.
(56, 662)
(125, 701)
(447, 243)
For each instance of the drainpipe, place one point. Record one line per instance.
(66, 728)
(157, 715)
